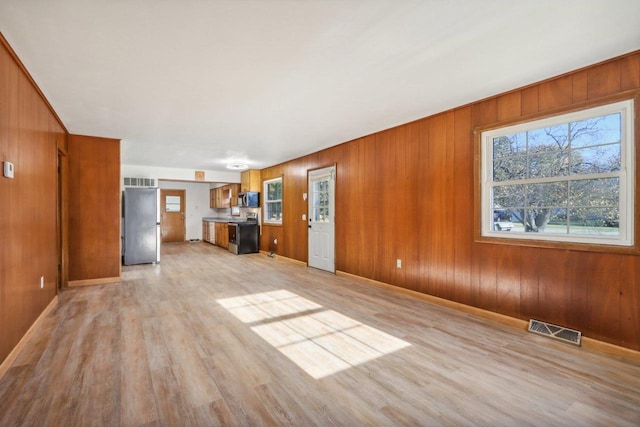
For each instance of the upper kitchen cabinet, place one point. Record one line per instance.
(220, 198)
(215, 198)
(224, 197)
(250, 180)
(234, 189)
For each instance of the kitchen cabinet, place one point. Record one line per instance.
(227, 196)
(224, 197)
(224, 201)
(208, 231)
(216, 198)
(234, 189)
(205, 231)
(250, 180)
(222, 234)
(216, 233)
(212, 198)
(219, 197)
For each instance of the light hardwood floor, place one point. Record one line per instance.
(211, 338)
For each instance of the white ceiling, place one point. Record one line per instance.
(198, 83)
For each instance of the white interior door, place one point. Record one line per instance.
(321, 200)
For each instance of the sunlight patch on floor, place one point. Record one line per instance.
(320, 341)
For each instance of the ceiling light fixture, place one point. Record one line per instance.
(237, 166)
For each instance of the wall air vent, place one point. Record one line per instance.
(554, 331)
(139, 182)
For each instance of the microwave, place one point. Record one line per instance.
(250, 199)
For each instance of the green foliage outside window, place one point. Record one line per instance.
(273, 200)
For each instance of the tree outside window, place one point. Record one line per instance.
(564, 177)
(273, 201)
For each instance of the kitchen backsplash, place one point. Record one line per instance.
(226, 212)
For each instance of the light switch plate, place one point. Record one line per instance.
(8, 169)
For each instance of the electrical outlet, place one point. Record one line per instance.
(41, 282)
(275, 241)
(398, 263)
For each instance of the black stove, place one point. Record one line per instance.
(244, 237)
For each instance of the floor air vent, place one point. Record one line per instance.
(554, 331)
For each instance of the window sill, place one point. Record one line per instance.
(570, 246)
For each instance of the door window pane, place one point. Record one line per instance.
(320, 209)
(172, 204)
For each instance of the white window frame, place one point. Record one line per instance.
(265, 185)
(626, 176)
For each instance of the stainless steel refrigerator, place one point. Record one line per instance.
(141, 210)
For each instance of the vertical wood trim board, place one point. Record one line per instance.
(94, 208)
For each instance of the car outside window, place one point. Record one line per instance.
(567, 178)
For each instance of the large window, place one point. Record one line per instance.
(273, 201)
(568, 178)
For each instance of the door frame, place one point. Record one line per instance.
(334, 168)
(184, 207)
(62, 215)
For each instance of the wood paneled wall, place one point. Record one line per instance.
(408, 193)
(94, 210)
(29, 136)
